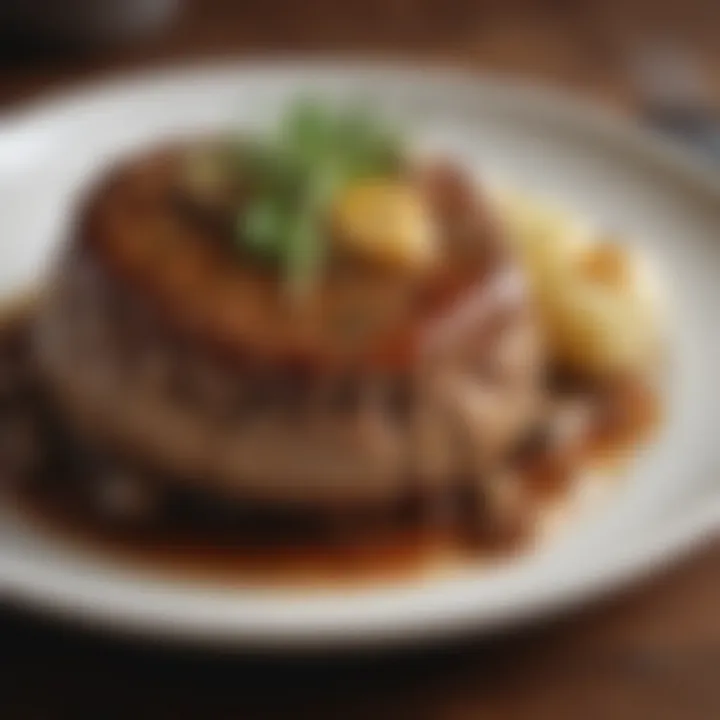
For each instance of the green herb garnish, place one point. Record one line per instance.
(296, 173)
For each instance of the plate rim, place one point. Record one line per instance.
(26, 589)
(646, 554)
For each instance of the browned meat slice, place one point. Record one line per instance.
(156, 341)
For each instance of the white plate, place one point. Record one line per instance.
(534, 139)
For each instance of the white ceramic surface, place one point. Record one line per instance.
(533, 139)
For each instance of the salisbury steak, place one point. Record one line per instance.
(159, 339)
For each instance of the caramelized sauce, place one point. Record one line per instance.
(207, 555)
(205, 545)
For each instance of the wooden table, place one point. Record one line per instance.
(652, 653)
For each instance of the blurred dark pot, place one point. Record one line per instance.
(86, 22)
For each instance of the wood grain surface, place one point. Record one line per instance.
(653, 652)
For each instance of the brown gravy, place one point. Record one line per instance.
(202, 548)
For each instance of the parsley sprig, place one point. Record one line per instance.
(295, 174)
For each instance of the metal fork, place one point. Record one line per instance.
(676, 95)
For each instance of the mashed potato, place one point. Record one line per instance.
(599, 301)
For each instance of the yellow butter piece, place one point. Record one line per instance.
(387, 222)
